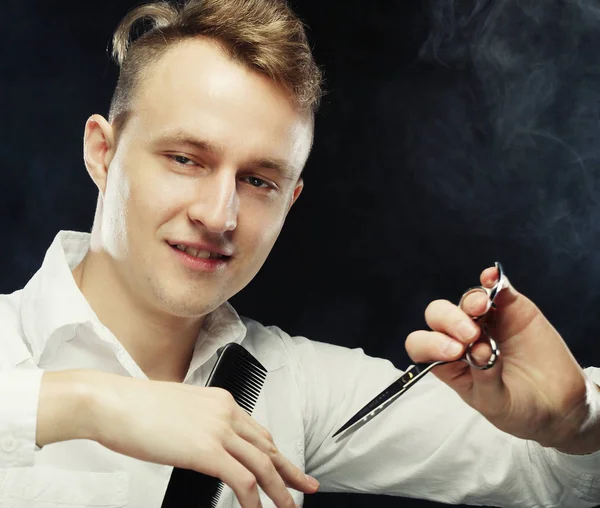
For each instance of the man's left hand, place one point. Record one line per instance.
(536, 390)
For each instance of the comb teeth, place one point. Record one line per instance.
(242, 375)
(245, 382)
(215, 500)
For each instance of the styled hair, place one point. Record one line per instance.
(264, 35)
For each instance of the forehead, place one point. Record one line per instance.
(195, 87)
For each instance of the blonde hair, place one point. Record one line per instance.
(264, 35)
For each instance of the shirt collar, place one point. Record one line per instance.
(221, 326)
(51, 300)
(52, 303)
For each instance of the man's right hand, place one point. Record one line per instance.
(175, 424)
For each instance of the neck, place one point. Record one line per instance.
(161, 344)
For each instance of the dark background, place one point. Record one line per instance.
(453, 134)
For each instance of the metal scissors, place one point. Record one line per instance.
(418, 370)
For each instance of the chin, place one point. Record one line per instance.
(186, 300)
(190, 309)
(180, 306)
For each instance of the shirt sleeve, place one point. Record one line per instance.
(582, 471)
(20, 382)
(19, 396)
(428, 444)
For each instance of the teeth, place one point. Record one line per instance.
(203, 254)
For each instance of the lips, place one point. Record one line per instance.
(201, 251)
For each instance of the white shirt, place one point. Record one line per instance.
(428, 444)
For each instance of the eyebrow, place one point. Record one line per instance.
(181, 138)
(285, 170)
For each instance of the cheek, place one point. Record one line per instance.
(132, 204)
(156, 194)
(267, 219)
(118, 192)
(115, 212)
(261, 227)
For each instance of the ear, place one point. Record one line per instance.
(297, 192)
(98, 149)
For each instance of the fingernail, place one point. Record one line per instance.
(466, 330)
(452, 348)
(312, 481)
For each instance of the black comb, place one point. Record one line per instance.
(242, 375)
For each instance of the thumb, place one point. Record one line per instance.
(513, 313)
(483, 390)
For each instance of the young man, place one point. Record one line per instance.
(105, 352)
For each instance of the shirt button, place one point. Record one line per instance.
(9, 444)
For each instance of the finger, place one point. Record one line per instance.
(475, 302)
(432, 346)
(443, 316)
(489, 277)
(515, 311)
(478, 388)
(428, 346)
(250, 430)
(262, 469)
(242, 482)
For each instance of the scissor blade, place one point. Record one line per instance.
(387, 396)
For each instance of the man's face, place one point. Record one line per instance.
(209, 160)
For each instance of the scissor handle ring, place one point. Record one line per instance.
(491, 360)
(479, 289)
(490, 293)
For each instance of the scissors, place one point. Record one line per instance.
(418, 370)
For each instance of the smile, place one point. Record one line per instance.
(200, 258)
(202, 254)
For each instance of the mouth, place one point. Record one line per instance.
(199, 252)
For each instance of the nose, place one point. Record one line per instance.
(217, 203)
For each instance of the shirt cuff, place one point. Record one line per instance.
(19, 399)
(592, 400)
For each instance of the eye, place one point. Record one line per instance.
(257, 182)
(183, 160)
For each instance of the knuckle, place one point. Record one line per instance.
(298, 475)
(223, 396)
(266, 434)
(248, 482)
(272, 450)
(263, 468)
(227, 405)
(222, 434)
(288, 502)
